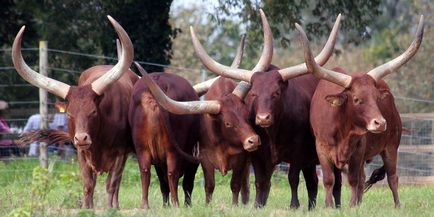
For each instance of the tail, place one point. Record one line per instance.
(49, 136)
(186, 156)
(376, 176)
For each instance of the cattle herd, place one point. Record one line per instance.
(303, 115)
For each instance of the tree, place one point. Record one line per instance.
(314, 14)
(82, 26)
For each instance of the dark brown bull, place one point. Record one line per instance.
(164, 139)
(225, 131)
(354, 118)
(97, 115)
(280, 106)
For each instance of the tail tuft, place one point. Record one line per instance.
(49, 136)
(376, 176)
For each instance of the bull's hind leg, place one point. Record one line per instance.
(390, 157)
(89, 181)
(144, 159)
(188, 182)
(164, 185)
(294, 180)
(311, 179)
(113, 181)
(173, 177)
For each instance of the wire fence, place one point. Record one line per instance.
(416, 151)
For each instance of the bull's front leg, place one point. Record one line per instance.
(173, 177)
(89, 181)
(113, 181)
(237, 181)
(208, 173)
(245, 186)
(337, 187)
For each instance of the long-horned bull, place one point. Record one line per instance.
(280, 108)
(97, 114)
(354, 118)
(164, 139)
(226, 134)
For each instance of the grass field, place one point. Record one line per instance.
(58, 192)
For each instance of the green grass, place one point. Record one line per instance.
(65, 192)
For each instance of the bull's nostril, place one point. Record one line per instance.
(250, 141)
(85, 138)
(376, 122)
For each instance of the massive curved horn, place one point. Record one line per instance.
(202, 88)
(380, 71)
(123, 64)
(239, 55)
(240, 74)
(321, 59)
(267, 52)
(323, 73)
(213, 66)
(191, 107)
(118, 48)
(53, 86)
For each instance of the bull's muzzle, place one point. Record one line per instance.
(82, 140)
(252, 143)
(264, 120)
(377, 125)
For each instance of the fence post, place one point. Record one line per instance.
(43, 100)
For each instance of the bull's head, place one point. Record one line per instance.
(229, 112)
(362, 92)
(82, 101)
(266, 86)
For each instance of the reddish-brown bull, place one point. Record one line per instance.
(280, 106)
(97, 115)
(225, 131)
(164, 139)
(354, 118)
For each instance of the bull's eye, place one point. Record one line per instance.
(93, 113)
(357, 101)
(228, 125)
(276, 94)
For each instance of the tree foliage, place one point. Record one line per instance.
(82, 26)
(315, 16)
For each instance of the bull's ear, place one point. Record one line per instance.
(336, 100)
(384, 93)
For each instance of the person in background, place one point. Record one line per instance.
(33, 123)
(60, 122)
(6, 145)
